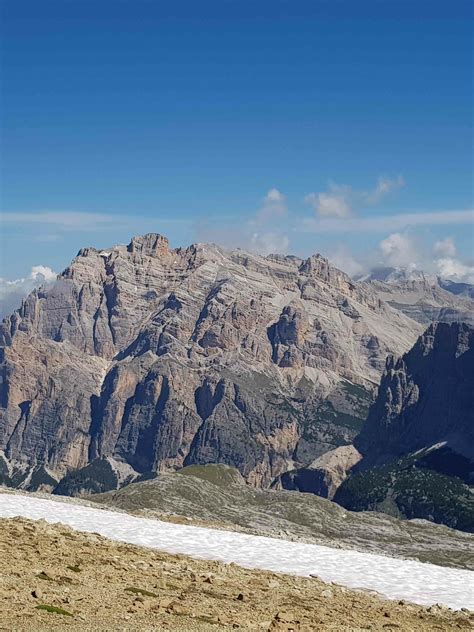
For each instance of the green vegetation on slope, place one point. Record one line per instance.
(408, 490)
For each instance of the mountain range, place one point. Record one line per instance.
(142, 359)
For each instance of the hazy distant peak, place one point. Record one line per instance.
(389, 274)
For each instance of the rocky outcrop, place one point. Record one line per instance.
(324, 475)
(160, 357)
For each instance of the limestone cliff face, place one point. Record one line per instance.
(425, 397)
(162, 357)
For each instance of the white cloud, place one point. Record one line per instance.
(384, 186)
(398, 250)
(407, 251)
(455, 270)
(269, 243)
(333, 203)
(445, 247)
(273, 207)
(264, 232)
(274, 195)
(344, 260)
(42, 274)
(14, 291)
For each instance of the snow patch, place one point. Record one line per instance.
(413, 581)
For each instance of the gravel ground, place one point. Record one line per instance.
(104, 585)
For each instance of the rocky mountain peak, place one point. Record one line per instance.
(417, 445)
(319, 266)
(151, 244)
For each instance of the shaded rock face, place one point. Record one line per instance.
(418, 440)
(162, 357)
(425, 398)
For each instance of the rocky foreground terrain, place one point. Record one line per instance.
(53, 578)
(154, 358)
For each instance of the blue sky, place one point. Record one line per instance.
(296, 126)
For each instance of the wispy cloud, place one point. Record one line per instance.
(266, 233)
(332, 203)
(273, 207)
(386, 223)
(64, 220)
(445, 247)
(343, 259)
(455, 270)
(398, 250)
(340, 200)
(405, 250)
(384, 186)
(83, 221)
(448, 265)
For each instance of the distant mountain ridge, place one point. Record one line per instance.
(459, 289)
(423, 297)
